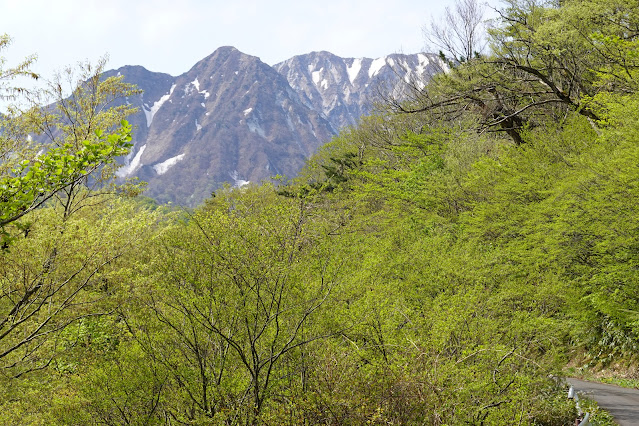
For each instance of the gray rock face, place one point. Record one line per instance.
(344, 89)
(232, 118)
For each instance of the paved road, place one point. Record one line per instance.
(621, 403)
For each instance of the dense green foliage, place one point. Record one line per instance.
(420, 270)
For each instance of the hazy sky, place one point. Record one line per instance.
(171, 36)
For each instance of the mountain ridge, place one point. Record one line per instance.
(233, 118)
(344, 88)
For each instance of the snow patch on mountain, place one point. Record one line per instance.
(316, 76)
(150, 112)
(353, 70)
(238, 183)
(193, 86)
(147, 114)
(128, 169)
(423, 62)
(376, 66)
(164, 166)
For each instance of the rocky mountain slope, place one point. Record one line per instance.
(344, 89)
(233, 118)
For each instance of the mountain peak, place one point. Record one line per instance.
(344, 89)
(226, 58)
(226, 52)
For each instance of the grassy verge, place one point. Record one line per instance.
(598, 416)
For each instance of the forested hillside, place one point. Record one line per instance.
(440, 263)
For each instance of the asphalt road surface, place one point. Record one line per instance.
(621, 403)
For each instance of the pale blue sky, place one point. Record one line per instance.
(171, 36)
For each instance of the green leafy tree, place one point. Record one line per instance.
(545, 59)
(8, 91)
(231, 300)
(59, 170)
(83, 138)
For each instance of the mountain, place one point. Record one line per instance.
(233, 118)
(344, 89)
(230, 118)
